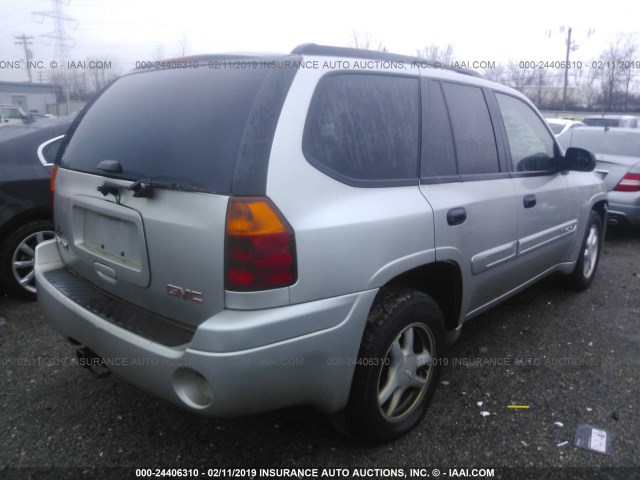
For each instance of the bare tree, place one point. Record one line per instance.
(609, 74)
(366, 42)
(100, 77)
(517, 77)
(436, 53)
(498, 74)
(158, 53)
(586, 84)
(629, 50)
(542, 80)
(183, 46)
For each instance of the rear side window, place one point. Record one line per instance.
(175, 126)
(473, 134)
(530, 142)
(363, 128)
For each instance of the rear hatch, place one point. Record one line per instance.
(144, 181)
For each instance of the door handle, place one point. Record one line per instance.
(456, 216)
(529, 201)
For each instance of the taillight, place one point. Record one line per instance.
(52, 183)
(629, 183)
(260, 246)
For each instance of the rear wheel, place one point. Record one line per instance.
(585, 269)
(17, 257)
(398, 366)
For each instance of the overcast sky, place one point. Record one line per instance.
(131, 30)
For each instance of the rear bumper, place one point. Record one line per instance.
(624, 208)
(237, 362)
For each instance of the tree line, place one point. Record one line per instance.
(608, 83)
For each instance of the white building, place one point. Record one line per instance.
(31, 97)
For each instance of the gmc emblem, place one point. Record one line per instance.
(184, 293)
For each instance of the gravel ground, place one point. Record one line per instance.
(573, 358)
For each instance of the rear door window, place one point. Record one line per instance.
(473, 134)
(363, 129)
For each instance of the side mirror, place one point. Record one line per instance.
(578, 159)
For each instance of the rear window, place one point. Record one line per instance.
(601, 122)
(176, 126)
(612, 142)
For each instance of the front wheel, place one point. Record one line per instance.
(398, 366)
(585, 269)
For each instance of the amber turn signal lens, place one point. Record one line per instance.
(247, 216)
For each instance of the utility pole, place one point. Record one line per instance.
(25, 42)
(566, 70)
(571, 47)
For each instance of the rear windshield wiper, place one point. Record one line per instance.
(143, 188)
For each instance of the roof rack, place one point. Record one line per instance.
(331, 51)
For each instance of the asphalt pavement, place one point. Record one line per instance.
(564, 359)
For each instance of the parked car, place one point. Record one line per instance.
(315, 231)
(37, 115)
(617, 152)
(11, 114)
(561, 125)
(622, 121)
(26, 157)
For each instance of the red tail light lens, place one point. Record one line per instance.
(629, 183)
(52, 183)
(260, 246)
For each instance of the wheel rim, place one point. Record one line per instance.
(24, 257)
(406, 373)
(590, 255)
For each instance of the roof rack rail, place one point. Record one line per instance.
(331, 51)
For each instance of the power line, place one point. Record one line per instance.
(61, 41)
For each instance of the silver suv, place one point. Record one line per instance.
(315, 231)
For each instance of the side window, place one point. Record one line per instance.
(14, 113)
(473, 134)
(530, 143)
(438, 153)
(364, 127)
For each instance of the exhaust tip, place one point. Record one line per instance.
(193, 388)
(93, 362)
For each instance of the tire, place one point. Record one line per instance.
(17, 257)
(395, 376)
(587, 264)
